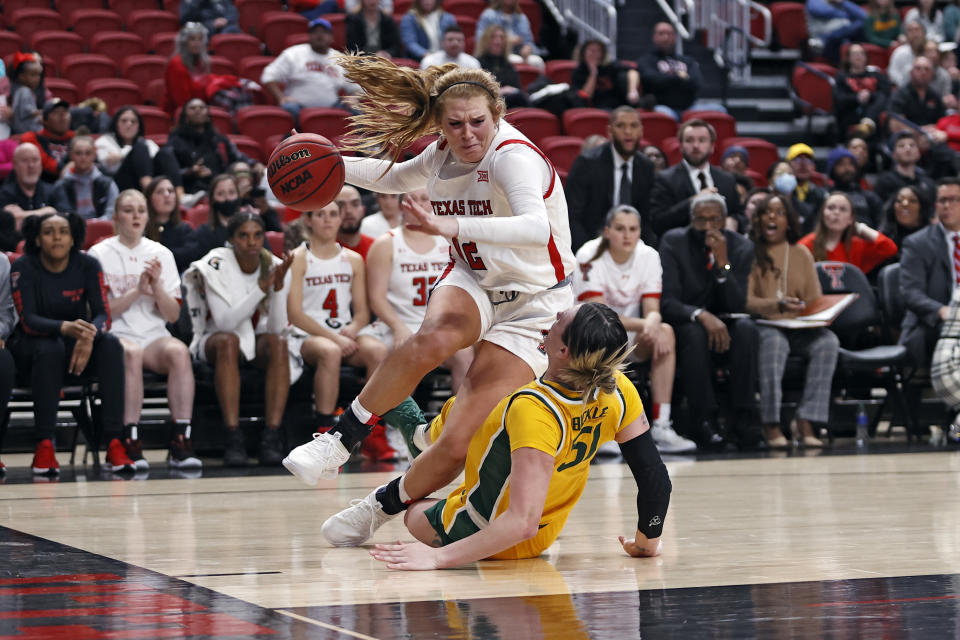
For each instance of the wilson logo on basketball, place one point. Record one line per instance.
(296, 181)
(284, 160)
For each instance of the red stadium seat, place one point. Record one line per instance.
(469, 27)
(248, 146)
(66, 7)
(27, 22)
(197, 215)
(97, 230)
(536, 124)
(126, 7)
(562, 150)
(560, 70)
(222, 66)
(275, 26)
(762, 153)
(339, 23)
(163, 44)
(142, 69)
(294, 39)
(759, 179)
(10, 43)
(81, 68)
(275, 242)
(583, 122)
(10, 6)
(671, 148)
(55, 45)
(147, 22)
(116, 92)
(329, 123)
(812, 86)
(789, 23)
(117, 44)
(62, 88)
(528, 74)
(259, 122)
(471, 8)
(156, 92)
(250, 11)
(657, 126)
(222, 120)
(235, 46)
(252, 67)
(400, 7)
(155, 119)
(159, 138)
(87, 22)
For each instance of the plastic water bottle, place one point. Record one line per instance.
(863, 434)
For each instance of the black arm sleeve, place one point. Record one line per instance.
(653, 483)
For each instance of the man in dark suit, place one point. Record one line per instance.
(705, 272)
(929, 272)
(674, 188)
(596, 182)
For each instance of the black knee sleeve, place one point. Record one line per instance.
(653, 483)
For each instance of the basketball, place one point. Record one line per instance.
(305, 172)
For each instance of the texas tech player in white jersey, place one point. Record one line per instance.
(412, 276)
(326, 289)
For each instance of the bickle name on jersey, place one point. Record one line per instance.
(416, 267)
(316, 281)
(462, 207)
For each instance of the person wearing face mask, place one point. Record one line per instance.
(224, 202)
(807, 197)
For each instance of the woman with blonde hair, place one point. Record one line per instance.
(422, 28)
(500, 203)
(491, 53)
(507, 14)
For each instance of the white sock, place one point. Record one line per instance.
(404, 496)
(421, 436)
(362, 414)
(664, 412)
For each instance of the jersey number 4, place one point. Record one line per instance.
(468, 251)
(330, 303)
(422, 285)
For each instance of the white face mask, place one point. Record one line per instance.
(785, 183)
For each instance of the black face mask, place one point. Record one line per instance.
(226, 208)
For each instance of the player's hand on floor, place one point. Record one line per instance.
(406, 556)
(641, 547)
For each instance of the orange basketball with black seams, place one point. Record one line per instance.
(305, 172)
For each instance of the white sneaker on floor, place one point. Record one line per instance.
(609, 450)
(356, 524)
(669, 441)
(319, 458)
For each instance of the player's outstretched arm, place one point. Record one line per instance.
(653, 487)
(641, 546)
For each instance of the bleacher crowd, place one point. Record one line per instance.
(142, 235)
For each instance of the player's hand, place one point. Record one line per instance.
(718, 338)
(348, 346)
(400, 334)
(792, 305)
(406, 556)
(279, 272)
(640, 546)
(80, 356)
(145, 283)
(350, 331)
(418, 218)
(78, 329)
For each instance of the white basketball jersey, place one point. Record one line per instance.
(498, 267)
(412, 276)
(621, 285)
(327, 293)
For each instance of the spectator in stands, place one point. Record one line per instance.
(64, 329)
(840, 238)
(951, 23)
(831, 23)
(164, 224)
(308, 75)
(906, 154)
(351, 214)
(882, 27)
(53, 139)
(224, 204)
(860, 93)
(371, 29)
(783, 281)
(218, 16)
(656, 155)
(744, 185)
(612, 174)
(189, 68)
(735, 160)
(705, 271)
(930, 274)
(908, 211)
(492, 56)
(351, 6)
(143, 287)
(125, 154)
(858, 146)
(24, 195)
(388, 217)
(918, 103)
(842, 169)
(423, 26)
(25, 79)
(254, 197)
(674, 79)
(507, 14)
(237, 297)
(619, 270)
(927, 14)
(942, 82)
(674, 188)
(807, 198)
(901, 60)
(8, 321)
(451, 51)
(600, 82)
(753, 199)
(200, 150)
(89, 193)
(945, 367)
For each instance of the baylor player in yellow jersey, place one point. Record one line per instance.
(528, 463)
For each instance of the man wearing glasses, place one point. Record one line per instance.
(705, 272)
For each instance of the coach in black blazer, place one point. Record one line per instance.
(699, 285)
(673, 188)
(590, 183)
(927, 276)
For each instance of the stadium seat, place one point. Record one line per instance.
(789, 24)
(66, 7)
(560, 70)
(471, 8)
(536, 124)
(401, 6)
(62, 88)
(657, 126)
(339, 23)
(163, 44)
(222, 66)
(294, 39)
(528, 74)
(275, 26)
(143, 68)
(249, 146)
(671, 148)
(876, 55)
(812, 89)
(145, 23)
(275, 242)
(249, 13)
(10, 43)
(81, 68)
(55, 45)
(252, 67)
(116, 92)
(10, 6)
(97, 230)
(235, 46)
(329, 123)
(269, 144)
(27, 22)
(155, 119)
(762, 153)
(758, 179)
(156, 92)
(222, 120)
(125, 7)
(259, 122)
(562, 150)
(583, 122)
(117, 44)
(469, 27)
(87, 22)
(197, 215)
(159, 138)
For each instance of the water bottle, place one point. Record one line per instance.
(863, 434)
